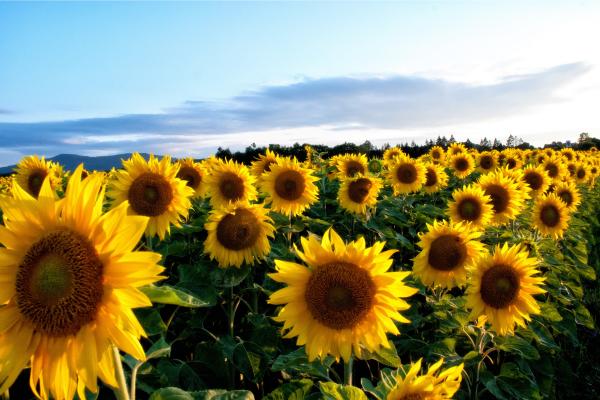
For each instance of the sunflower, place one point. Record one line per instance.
(487, 161)
(462, 164)
(406, 175)
(456, 148)
(448, 250)
(536, 178)
(151, 188)
(507, 202)
(350, 165)
(501, 287)
(569, 194)
(358, 194)
(513, 161)
(435, 178)
(194, 175)
(69, 278)
(437, 155)
(555, 168)
(582, 173)
(434, 385)
(572, 168)
(263, 164)
(344, 301)
(550, 216)
(471, 205)
(568, 154)
(290, 187)
(230, 182)
(31, 172)
(375, 166)
(390, 155)
(237, 233)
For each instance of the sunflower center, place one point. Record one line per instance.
(359, 190)
(552, 170)
(238, 231)
(566, 196)
(485, 162)
(534, 180)
(499, 196)
(431, 177)
(267, 165)
(572, 169)
(290, 185)
(353, 168)
(412, 396)
(191, 176)
(35, 181)
(435, 154)
(59, 283)
(550, 215)
(150, 194)
(499, 286)
(461, 164)
(511, 163)
(231, 186)
(406, 173)
(340, 294)
(447, 252)
(469, 209)
(580, 173)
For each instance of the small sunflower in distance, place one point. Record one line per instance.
(344, 301)
(501, 287)
(69, 279)
(437, 155)
(555, 169)
(550, 216)
(406, 175)
(471, 205)
(487, 161)
(569, 194)
(462, 165)
(290, 187)
(152, 189)
(448, 251)
(230, 182)
(390, 154)
(507, 202)
(31, 171)
(456, 148)
(435, 178)
(537, 179)
(193, 174)
(434, 385)
(350, 165)
(357, 194)
(238, 233)
(375, 166)
(582, 173)
(263, 164)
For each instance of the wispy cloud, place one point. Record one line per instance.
(340, 103)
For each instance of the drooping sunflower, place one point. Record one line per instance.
(569, 194)
(501, 287)
(263, 164)
(507, 201)
(435, 178)
(31, 171)
(290, 187)
(448, 250)
(555, 169)
(536, 178)
(238, 233)
(151, 188)
(350, 165)
(344, 300)
(462, 165)
(358, 194)
(437, 155)
(69, 279)
(487, 161)
(471, 205)
(406, 175)
(230, 182)
(550, 216)
(434, 385)
(194, 175)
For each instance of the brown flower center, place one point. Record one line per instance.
(150, 194)
(500, 197)
(353, 168)
(406, 173)
(534, 180)
(566, 196)
(290, 185)
(469, 209)
(486, 162)
(550, 215)
(431, 177)
(552, 170)
(572, 168)
(231, 186)
(499, 286)
(461, 164)
(238, 231)
(447, 252)
(191, 176)
(35, 181)
(358, 190)
(580, 173)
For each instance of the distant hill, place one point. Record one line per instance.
(71, 161)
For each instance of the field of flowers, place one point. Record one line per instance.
(458, 274)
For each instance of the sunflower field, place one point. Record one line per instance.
(458, 274)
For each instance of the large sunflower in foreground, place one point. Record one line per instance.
(550, 216)
(501, 287)
(462, 165)
(238, 233)
(152, 189)
(230, 182)
(69, 278)
(290, 187)
(507, 201)
(344, 301)
(569, 194)
(357, 194)
(435, 178)
(471, 205)
(434, 385)
(194, 175)
(31, 171)
(406, 175)
(448, 251)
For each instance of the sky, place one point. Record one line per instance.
(185, 78)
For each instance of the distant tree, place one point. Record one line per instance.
(451, 140)
(485, 143)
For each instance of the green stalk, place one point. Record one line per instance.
(121, 390)
(348, 371)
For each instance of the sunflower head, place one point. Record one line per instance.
(569, 194)
(436, 178)
(230, 182)
(462, 165)
(437, 155)
(507, 200)
(487, 161)
(582, 173)
(344, 300)
(31, 171)
(375, 166)
(555, 169)
(406, 175)
(536, 178)
(390, 154)
(471, 205)
(194, 175)
(351, 165)
(263, 163)
(357, 194)
(456, 148)
(550, 215)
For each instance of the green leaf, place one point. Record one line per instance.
(298, 361)
(151, 320)
(250, 360)
(583, 316)
(171, 393)
(159, 349)
(229, 277)
(384, 355)
(518, 345)
(333, 391)
(166, 294)
(222, 395)
(294, 390)
(550, 312)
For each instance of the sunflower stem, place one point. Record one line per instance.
(348, 371)
(121, 390)
(231, 332)
(149, 242)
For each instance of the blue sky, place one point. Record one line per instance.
(185, 78)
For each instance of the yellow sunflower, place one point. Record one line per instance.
(151, 188)
(462, 165)
(344, 301)
(448, 251)
(238, 233)
(358, 194)
(263, 164)
(350, 165)
(555, 169)
(582, 173)
(436, 178)
(437, 155)
(507, 201)
(406, 175)
(471, 205)
(550, 216)
(487, 161)
(230, 182)
(568, 154)
(69, 279)
(537, 179)
(513, 160)
(434, 385)
(194, 175)
(390, 154)
(569, 194)
(456, 148)
(31, 172)
(501, 287)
